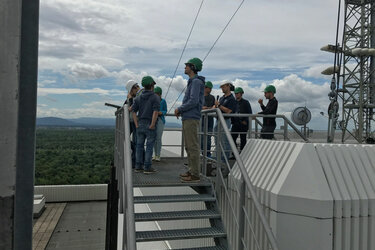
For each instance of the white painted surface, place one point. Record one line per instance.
(315, 196)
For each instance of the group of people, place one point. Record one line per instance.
(148, 110)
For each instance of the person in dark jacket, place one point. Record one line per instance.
(228, 105)
(241, 124)
(209, 103)
(269, 123)
(147, 105)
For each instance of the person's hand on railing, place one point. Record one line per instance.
(177, 113)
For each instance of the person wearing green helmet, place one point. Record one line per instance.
(209, 103)
(160, 124)
(269, 123)
(190, 110)
(145, 114)
(240, 125)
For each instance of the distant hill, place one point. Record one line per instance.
(95, 121)
(78, 122)
(55, 121)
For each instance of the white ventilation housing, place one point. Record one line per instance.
(316, 196)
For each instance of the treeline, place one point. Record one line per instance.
(73, 156)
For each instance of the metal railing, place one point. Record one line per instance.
(123, 164)
(255, 220)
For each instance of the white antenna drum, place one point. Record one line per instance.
(301, 116)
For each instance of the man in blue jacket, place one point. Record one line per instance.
(190, 110)
(147, 105)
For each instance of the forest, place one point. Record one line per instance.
(73, 155)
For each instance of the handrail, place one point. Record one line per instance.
(124, 174)
(246, 178)
(131, 242)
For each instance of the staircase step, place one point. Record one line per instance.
(205, 248)
(177, 183)
(177, 215)
(174, 198)
(191, 233)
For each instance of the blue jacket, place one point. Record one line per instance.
(163, 109)
(145, 104)
(193, 100)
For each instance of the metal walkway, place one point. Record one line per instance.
(168, 174)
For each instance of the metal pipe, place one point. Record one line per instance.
(205, 131)
(131, 243)
(241, 221)
(249, 185)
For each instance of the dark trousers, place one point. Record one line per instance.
(267, 132)
(239, 128)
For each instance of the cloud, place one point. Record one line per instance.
(70, 91)
(87, 71)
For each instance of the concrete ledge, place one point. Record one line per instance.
(66, 193)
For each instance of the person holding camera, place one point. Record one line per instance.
(227, 104)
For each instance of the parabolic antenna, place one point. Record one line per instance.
(301, 116)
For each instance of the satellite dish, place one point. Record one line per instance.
(301, 116)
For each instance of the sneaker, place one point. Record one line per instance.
(153, 158)
(138, 170)
(191, 178)
(150, 171)
(157, 158)
(187, 174)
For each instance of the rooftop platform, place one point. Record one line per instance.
(73, 226)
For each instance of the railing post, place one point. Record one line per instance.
(256, 130)
(285, 130)
(205, 131)
(250, 127)
(241, 214)
(218, 157)
(182, 145)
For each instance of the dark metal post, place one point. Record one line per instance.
(18, 86)
(112, 212)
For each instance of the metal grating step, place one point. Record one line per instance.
(178, 183)
(191, 233)
(174, 198)
(205, 248)
(177, 215)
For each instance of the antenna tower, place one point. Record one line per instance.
(356, 78)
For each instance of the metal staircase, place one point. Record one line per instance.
(205, 193)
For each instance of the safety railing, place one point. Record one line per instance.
(252, 228)
(123, 164)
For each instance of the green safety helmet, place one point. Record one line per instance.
(209, 85)
(238, 90)
(147, 80)
(270, 88)
(158, 90)
(196, 62)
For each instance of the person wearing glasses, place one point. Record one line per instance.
(132, 87)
